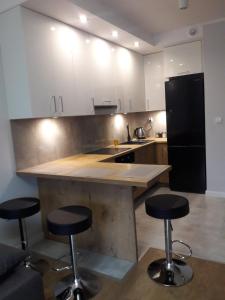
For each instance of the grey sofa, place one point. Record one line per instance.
(16, 281)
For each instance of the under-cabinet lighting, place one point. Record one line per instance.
(112, 49)
(83, 19)
(87, 41)
(52, 28)
(118, 121)
(49, 131)
(136, 44)
(115, 34)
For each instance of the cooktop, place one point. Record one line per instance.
(109, 151)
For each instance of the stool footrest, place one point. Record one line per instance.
(179, 255)
(55, 269)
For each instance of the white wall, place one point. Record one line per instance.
(214, 69)
(10, 184)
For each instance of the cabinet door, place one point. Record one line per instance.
(130, 76)
(71, 79)
(58, 60)
(154, 82)
(40, 63)
(183, 59)
(145, 155)
(162, 159)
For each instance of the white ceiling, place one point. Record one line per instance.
(67, 12)
(148, 20)
(156, 16)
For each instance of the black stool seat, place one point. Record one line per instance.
(69, 220)
(19, 208)
(167, 206)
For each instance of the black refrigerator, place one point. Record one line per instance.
(185, 113)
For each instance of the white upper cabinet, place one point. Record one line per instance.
(154, 82)
(52, 69)
(183, 59)
(56, 61)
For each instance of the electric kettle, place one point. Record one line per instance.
(139, 133)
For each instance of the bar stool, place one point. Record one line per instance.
(72, 220)
(168, 271)
(20, 208)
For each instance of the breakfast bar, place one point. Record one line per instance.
(106, 187)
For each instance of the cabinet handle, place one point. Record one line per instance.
(93, 104)
(53, 98)
(120, 105)
(61, 100)
(130, 105)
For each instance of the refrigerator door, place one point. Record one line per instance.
(185, 110)
(188, 169)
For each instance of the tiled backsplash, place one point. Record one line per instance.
(37, 141)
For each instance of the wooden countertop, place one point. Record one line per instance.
(95, 168)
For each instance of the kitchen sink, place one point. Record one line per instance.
(138, 142)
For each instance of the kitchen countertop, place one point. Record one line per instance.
(95, 168)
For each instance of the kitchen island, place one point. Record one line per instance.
(106, 187)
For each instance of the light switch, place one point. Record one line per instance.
(218, 120)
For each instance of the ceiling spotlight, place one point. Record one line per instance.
(52, 28)
(115, 34)
(87, 41)
(183, 4)
(136, 44)
(83, 19)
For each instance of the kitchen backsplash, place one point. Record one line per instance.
(38, 141)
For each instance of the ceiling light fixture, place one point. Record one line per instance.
(87, 41)
(115, 34)
(183, 4)
(83, 19)
(136, 44)
(52, 28)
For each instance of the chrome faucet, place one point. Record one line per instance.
(128, 133)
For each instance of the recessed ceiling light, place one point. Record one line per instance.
(136, 44)
(115, 34)
(83, 19)
(52, 28)
(87, 41)
(181, 65)
(171, 60)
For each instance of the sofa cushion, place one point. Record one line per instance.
(9, 259)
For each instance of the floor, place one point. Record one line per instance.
(203, 229)
(207, 284)
(106, 265)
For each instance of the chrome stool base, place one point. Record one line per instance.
(37, 264)
(86, 287)
(177, 274)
